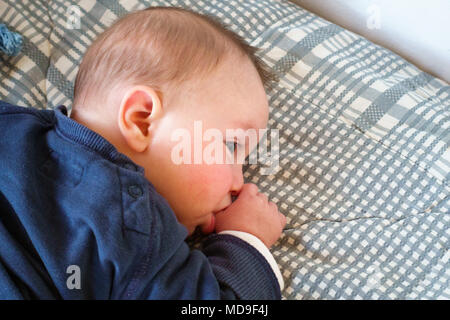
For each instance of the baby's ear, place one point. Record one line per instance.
(139, 107)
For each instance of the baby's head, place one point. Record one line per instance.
(162, 69)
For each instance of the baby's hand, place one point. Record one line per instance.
(251, 212)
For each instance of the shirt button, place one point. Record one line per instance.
(129, 166)
(135, 191)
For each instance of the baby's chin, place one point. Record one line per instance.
(207, 227)
(190, 228)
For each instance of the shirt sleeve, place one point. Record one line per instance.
(226, 268)
(261, 247)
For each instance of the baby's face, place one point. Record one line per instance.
(233, 97)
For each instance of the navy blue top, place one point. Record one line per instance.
(79, 220)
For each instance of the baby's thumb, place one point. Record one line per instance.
(224, 219)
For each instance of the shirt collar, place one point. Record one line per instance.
(83, 135)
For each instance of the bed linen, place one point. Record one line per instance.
(363, 174)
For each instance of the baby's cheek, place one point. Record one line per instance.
(211, 181)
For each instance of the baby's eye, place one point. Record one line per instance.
(232, 146)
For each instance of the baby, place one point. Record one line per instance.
(95, 206)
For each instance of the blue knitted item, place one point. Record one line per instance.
(10, 42)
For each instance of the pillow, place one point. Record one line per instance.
(363, 173)
(412, 28)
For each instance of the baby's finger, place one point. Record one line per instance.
(249, 189)
(273, 206)
(263, 196)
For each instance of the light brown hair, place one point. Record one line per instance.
(157, 46)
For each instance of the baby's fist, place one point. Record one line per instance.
(251, 212)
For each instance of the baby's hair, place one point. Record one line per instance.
(156, 47)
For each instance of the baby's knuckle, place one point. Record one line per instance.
(252, 188)
(262, 202)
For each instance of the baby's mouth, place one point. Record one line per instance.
(209, 228)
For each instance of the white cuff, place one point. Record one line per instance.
(261, 247)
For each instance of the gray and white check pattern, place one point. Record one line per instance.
(364, 161)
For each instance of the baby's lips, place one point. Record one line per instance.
(207, 229)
